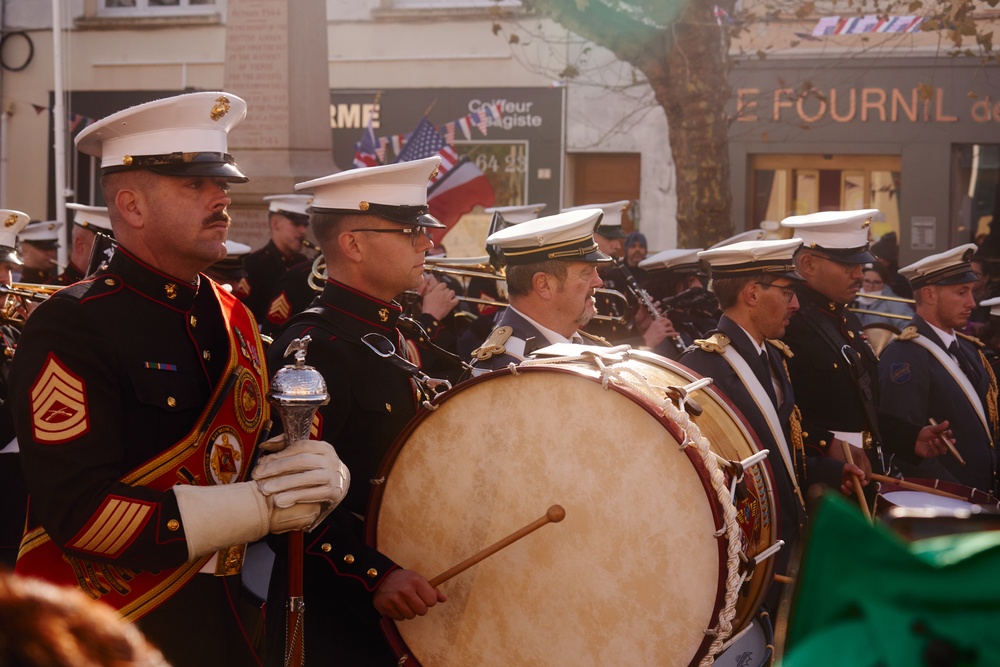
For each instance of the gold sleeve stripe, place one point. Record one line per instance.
(315, 427)
(114, 527)
(58, 404)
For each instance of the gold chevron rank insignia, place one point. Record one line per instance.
(58, 404)
(316, 427)
(280, 309)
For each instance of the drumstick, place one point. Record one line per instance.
(903, 484)
(555, 514)
(858, 491)
(947, 441)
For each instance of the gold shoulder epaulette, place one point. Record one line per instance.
(714, 343)
(909, 333)
(972, 339)
(780, 344)
(494, 344)
(600, 340)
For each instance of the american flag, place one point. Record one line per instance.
(365, 153)
(426, 141)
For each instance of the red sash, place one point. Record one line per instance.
(220, 447)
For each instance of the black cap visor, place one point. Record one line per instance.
(212, 165)
(860, 255)
(9, 256)
(611, 232)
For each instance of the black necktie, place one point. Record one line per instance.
(764, 375)
(962, 362)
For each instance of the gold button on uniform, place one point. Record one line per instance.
(326, 547)
(173, 525)
(851, 334)
(194, 321)
(388, 407)
(372, 573)
(348, 559)
(207, 355)
(171, 401)
(110, 282)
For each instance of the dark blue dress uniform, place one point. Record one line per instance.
(264, 268)
(915, 385)
(823, 335)
(133, 358)
(371, 400)
(809, 469)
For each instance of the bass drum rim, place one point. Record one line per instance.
(390, 628)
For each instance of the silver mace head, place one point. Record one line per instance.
(297, 391)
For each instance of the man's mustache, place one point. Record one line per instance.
(218, 216)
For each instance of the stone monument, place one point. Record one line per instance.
(277, 60)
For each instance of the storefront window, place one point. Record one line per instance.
(784, 185)
(975, 190)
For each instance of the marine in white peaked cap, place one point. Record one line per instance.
(372, 227)
(142, 450)
(840, 235)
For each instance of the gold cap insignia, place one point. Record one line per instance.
(221, 108)
(363, 206)
(434, 174)
(127, 160)
(383, 314)
(866, 224)
(10, 221)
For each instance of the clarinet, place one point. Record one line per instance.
(646, 300)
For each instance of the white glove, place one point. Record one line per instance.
(307, 471)
(216, 517)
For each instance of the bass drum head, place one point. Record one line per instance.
(634, 573)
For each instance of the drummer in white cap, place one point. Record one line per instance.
(551, 266)
(146, 359)
(834, 369)
(88, 222)
(754, 282)
(373, 226)
(932, 371)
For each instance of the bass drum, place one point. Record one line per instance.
(641, 570)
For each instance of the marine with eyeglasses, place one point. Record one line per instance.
(372, 226)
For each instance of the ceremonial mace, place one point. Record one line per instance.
(297, 391)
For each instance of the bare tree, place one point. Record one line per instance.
(682, 49)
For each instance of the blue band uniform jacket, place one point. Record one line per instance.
(110, 374)
(371, 400)
(915, 385)
(791, 513)
(512, 341)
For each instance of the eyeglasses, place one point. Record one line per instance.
(415, 233)
(786, 291)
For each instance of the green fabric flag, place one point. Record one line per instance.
(867, 597)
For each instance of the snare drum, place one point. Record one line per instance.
(636, 572)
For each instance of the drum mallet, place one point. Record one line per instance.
(858, 491)
(947, 441)
(554, 514)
